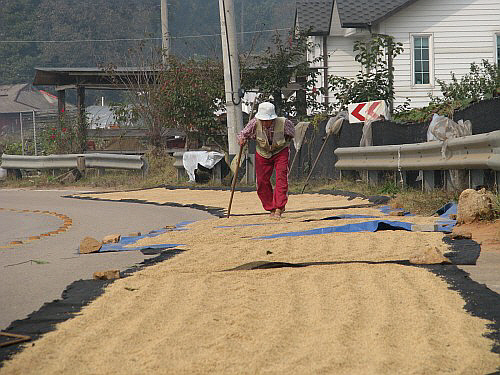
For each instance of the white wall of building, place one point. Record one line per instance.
(461, 32)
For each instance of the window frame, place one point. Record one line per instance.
(431, 60)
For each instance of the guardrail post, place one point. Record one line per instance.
(400, 178)
(373, 177)
(250, 174)
(80, 164)
(145, 166)
(181, 172)
(476, 178)
(456, 180)
(217, 171)
(429, 180)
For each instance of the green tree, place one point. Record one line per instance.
(277, 66)
(188, 95)
(180, 94)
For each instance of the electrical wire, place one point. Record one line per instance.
(135, 39)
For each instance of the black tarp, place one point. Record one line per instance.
(484, 116)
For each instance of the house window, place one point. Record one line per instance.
(421, 60)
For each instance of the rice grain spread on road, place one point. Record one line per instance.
(185, 316)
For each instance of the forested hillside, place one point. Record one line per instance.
(100, 32)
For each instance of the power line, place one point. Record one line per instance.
(133, 39)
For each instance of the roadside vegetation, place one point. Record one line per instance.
(185, 93)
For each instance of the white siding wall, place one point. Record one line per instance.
(335, 29)
(340, 53)
(317, 51)
(462, 32)
(341, 58)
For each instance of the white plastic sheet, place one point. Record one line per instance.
(334, 124)
(442, 128)
(207, 159)
(300, 132)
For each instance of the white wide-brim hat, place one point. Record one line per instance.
(266, 111)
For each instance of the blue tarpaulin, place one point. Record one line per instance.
(445, 223)
(129, 240)
(345, 216)
(336, 217)
(386, 210)
(121, 247)
(369, 226)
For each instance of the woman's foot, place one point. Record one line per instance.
(271, 215)
(277, 213)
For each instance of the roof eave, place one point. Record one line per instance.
(392, 12)
(318, 32)
(356, 25)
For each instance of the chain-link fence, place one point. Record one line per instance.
(30, 129)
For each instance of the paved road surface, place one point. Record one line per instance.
(26, 287)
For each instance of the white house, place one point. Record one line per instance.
(438, 37)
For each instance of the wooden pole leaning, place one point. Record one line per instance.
(235, 177)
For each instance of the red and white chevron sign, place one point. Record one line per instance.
(360, 112)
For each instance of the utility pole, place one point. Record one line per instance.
(242, 28)
(231, 74)
(165, 37)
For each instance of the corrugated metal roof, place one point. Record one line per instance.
(92, 78)
(363, 13)
(315, 16)
(23, 98)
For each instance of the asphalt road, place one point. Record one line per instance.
(38, 271)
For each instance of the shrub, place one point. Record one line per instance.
(482, 82)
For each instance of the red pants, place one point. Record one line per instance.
(264, 170)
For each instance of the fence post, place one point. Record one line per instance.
(34, 134)
(373, 177)
(22, 137)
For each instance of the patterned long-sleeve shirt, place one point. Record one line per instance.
(249, 131)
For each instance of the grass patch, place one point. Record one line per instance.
(163, 172)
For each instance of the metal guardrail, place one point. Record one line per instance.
(480, 151)
(105, 161)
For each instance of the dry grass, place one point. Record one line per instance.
(162, 172)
